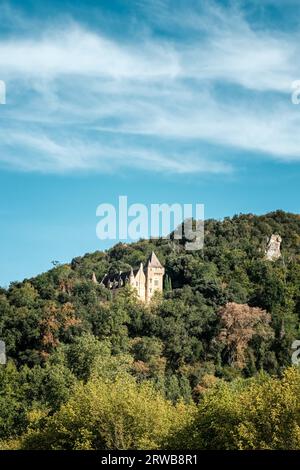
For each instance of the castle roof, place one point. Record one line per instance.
(153, 261)
(121, 278)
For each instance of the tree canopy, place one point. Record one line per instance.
(88, 369)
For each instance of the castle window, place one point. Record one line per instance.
(156, 282)
(150, 290)
(137, 284)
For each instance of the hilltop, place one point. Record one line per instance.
(225, 313)
(230, 268)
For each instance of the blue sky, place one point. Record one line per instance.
(164, 101)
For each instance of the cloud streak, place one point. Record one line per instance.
(90, 102)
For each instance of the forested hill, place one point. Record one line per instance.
(226, 312)
(230, 268)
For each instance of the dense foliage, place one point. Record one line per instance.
(202, 366)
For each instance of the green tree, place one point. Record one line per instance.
(110, 415)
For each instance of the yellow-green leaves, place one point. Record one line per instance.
(111, 415)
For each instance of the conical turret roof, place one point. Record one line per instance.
(153, 261)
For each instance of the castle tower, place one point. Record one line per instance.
(131, 277)
(138, 281)
(154, 276)
(144, 280)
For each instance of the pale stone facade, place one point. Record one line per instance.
(154, 277)
(145, 280)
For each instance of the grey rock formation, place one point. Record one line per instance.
(273, 248)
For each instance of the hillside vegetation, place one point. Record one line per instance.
(200, 367)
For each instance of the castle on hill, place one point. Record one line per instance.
(145, 280)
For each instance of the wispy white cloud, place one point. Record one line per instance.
(226, 83)
(79, 52)
(41, 153)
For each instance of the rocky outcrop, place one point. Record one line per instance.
(273, 248)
